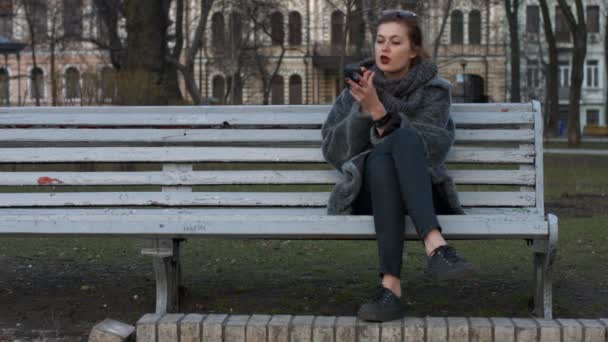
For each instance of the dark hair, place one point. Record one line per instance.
(410, 21)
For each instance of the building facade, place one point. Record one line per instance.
(239, 62)
(535, 58)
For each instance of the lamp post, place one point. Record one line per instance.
(463, 63)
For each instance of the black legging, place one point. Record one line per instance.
(397, 182)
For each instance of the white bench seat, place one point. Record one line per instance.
(170, 173)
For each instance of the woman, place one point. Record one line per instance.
(389, 134)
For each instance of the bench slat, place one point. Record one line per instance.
(198, 223)
(167, 110)
(148, 135)
(281, 199)
(498, 177)
(241, 118)
(290, 211)
(458, 154)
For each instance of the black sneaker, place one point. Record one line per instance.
(383, 306)
(445, 264)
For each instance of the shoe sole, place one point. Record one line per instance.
(381, 316)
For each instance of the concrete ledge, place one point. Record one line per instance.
(285, 328)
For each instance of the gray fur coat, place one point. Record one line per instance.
(422, 100)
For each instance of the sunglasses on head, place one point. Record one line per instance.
(398, 14)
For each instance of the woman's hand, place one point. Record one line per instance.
(365, 93)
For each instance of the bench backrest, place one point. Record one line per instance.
(226, 156)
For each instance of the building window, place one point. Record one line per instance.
(277, 92)
(295, 28)
(295, 90)
(276, 28)
(532, 19)
(562, 31)
(592, 74)
(6, 18)
(593, 19)
(236, 29)
(475, 27)
(72, 18)
(337, 28)
(72, 84)
(236, 93)
(217, 33)
(456, 27)
(218, 89)
(108, 83)
(356, 29)
(36, 10)
(593, 117)
(533, 74)
(37, 83)
(4, 86)
(564, 74)
(103, 33)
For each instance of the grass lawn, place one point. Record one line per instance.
(78, 277)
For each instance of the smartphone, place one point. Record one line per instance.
(352, 71)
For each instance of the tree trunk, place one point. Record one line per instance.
(579, 33)
(444, 20)
(512, 19)
(552, 86)
(146, 50)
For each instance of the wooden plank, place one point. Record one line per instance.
(285, 211)
(260, 226)
(280, 199)
(303, 109)
(459, 154)
(230, 119)
(493, 177)
(539, 163)
(155, 135)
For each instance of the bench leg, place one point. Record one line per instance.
(167, 268)
(544, 256)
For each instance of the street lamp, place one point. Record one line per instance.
(463, 63)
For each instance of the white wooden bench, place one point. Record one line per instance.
(190, 146)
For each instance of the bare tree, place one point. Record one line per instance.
(35, 18)
(512, 10)
(446, 14)
(552, 86)
(578, 29)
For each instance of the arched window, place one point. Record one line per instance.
(37, 83)
(236, 29)
(72, 18)
(217, 32)
(337, 28)
(456, 27)
(277, 95)
(72, 84)
(295, 89)
(4, 87)
(295, 28)
(277, 33)
(474, 27)
(108, 83)
(356, 29)
(236, 93)
(219, 89)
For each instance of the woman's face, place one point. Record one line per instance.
(393, 50)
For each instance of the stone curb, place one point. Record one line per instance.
(286, 328)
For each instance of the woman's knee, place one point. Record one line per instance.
(379, 170)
